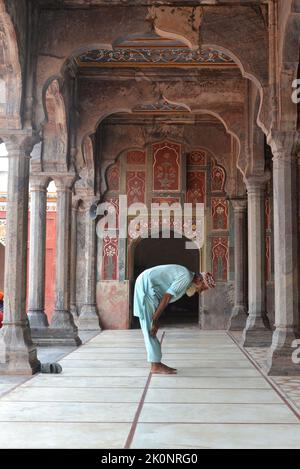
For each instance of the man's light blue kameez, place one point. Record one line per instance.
(150, 287)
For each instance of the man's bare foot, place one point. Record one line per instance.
(161, 369)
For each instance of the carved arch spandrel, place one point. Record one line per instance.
(86, 182)
(55, 131)
(10, 73)
(289, 53)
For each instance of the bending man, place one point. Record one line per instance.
(155, 288)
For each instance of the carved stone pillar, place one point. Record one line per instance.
(257, 332)
(286, 251)
(62, 324)
(89, 319)
(240, 312)
(73, 303)
(37, 249)
(17, 352)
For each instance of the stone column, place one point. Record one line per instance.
(89, 319)
(73, 303)
(257, 332)
(240, 311)
(286, 250)
(17, 353)
(37, 249)
(62, 326)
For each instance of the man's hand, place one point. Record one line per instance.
(154, 329)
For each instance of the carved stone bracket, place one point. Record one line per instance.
(284, 145)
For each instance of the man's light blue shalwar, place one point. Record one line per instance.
(150, 287)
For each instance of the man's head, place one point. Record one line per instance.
(201, 282)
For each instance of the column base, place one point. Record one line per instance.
(257, 332)
(283, 357)
(55, 336)
(89, 319)
(74, 312)
(62, 319)
(37, 319)
(63, 329)
(238, 318)
(18, 355)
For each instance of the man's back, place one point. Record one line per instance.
(153, 283)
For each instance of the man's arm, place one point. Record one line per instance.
(161, 307)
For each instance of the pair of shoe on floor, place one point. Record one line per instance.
(50, 368)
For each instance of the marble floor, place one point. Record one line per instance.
(106, 398)
(46, 354)
(288, 385)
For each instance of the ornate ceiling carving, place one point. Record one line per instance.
(161, 106)
(135, 3)
(154, 57)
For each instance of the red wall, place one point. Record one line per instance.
(50, 264)
(2, 254)
(50, 261)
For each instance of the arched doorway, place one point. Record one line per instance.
(151, 252)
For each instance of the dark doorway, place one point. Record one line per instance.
(152, 252)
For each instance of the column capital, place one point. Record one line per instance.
(284, 145)
(20, 141)
(239, 204)
(64, 182)
(257, 183)
(39, 182)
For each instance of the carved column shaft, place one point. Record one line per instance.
(89, 319)
(286, 249)
(62, 320)
(257, 332)
(239, 313)
(73, 304)
(17, 353)
(62, 248)
(37, 251)
(90, 257)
